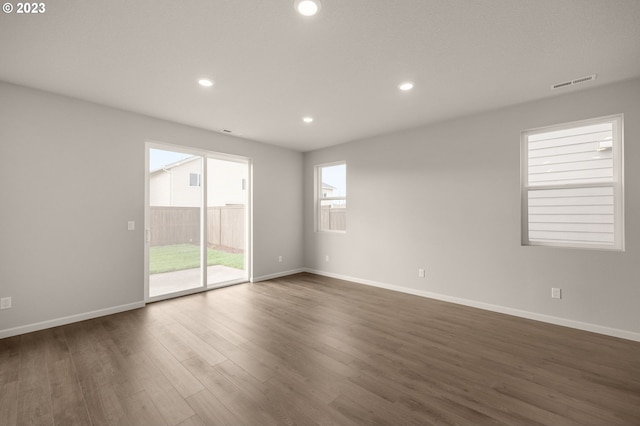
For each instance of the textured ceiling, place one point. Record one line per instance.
(272, 66)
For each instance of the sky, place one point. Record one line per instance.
(336, 176)
(159, 158)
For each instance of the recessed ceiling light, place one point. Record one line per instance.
(406, 86)
(307, 7)
(307, 119)
(205, 82)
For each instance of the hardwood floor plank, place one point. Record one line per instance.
(66, 394)
(356, 412)
(197, 345)
(172, 342)
(305, 400)
(240, 404)
(184, 382)
(205, 329)
(9, 380)
(93, 399)
(211, 410)
(430, 405)
(250, 362)
(34, 393)
(9, 403)
(193, 421)
(9, 359)
(67, 400)
(91, 377)
(115, 369)
(112, 407)
(273, 398)
(286, 411)
(324, 383)
(170, 404)
(141, 410)
(34, 407)
(242, 379)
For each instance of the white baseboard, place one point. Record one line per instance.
(68, 320)
(277, 275)
(623, 334)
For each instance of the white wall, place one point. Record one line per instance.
(447, 198)
(72, 175)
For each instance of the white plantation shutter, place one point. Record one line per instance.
(572, 184)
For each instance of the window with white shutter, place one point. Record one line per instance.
(572, 185)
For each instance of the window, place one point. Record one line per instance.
(331, 190)
(572, 177)
(194, 179)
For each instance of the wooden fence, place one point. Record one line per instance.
(181, 225)
(333, 218)
(225, 226)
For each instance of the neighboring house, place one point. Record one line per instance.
(176, 184)
(179, 183)
(327, 190)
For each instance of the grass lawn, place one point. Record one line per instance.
(187, 256)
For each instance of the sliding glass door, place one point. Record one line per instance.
(188, 247)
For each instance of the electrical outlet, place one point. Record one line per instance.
(326, 258)
(421, 273)
(556, 293)
(5, 303)
(279, 258)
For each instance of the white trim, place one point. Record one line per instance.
(147, 218)
(69, 319)
(278, 275)
(204, 236)
(248, 221)
(608, 331)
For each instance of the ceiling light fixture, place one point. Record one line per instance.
(406, 86)
(307, 7)
(205, 82)
(307, 119)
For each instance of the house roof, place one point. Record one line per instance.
(169, 166)
(327, 186)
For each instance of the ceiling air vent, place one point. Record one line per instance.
(574, 81)
(563, 84)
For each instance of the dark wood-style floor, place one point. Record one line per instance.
(310, 350)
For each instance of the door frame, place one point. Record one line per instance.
(248, 219)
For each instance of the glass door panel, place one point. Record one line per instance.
(226, 221)
(174, 231)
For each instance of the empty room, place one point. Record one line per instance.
(320, 212)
